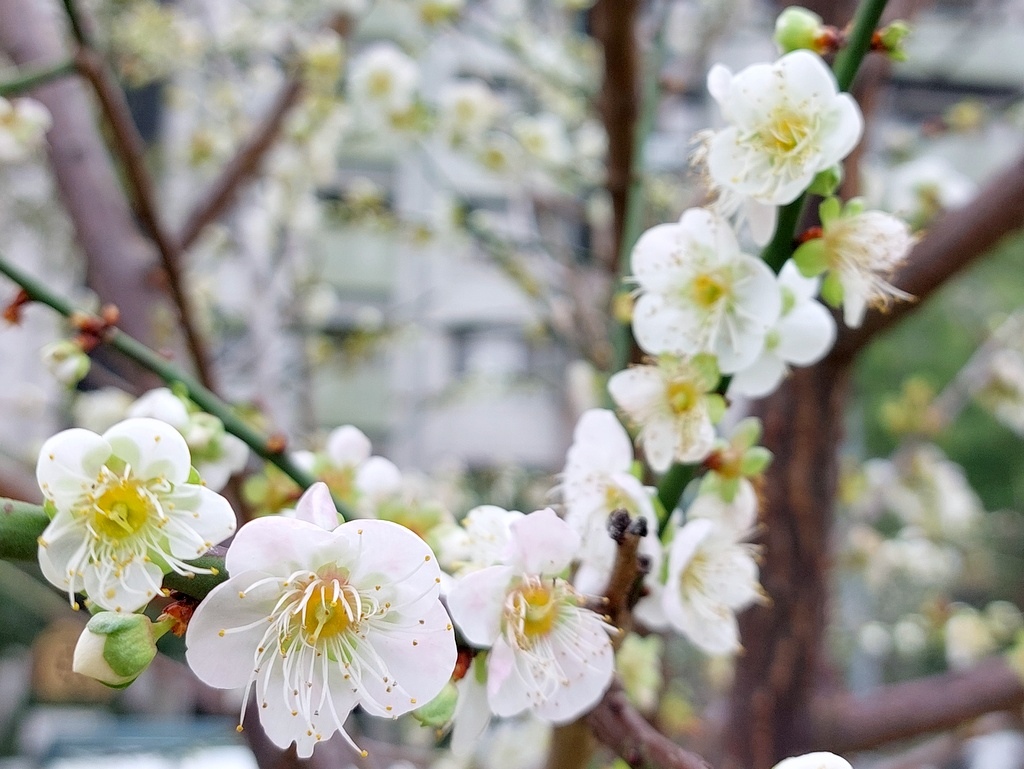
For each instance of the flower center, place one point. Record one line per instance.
(331, 608)
(122, 509)
(532, 609)
(708, 289)
(683, 395)
(379, 84)
(786, 133)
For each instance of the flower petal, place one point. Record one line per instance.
(476, 603)
(152, 448)
(69, 463)
(542, 543)
(317, 507)
(806, 334)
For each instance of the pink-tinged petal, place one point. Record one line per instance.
(660, 326)
(278, 545)
(419, 658)
(600, 443)
(509, 683)
(152, 448)
(472, 714)
(842, 129)
(762, 219)
(758, 379)
(389, 554)
(638, 391)
(660, 439)
(378, 478)
(477, 601)
(69, 463)
(317, 507)
(806, 334)
(126, 587)
(542, 543)
(587, 663)
(205, 512)
(348, 446)
(228, 627)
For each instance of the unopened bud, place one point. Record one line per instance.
(66, 361)
(798, 28)
(116, 648)
(890, 39)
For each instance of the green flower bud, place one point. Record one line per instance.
(116, 648)
(798, 28)
(892, 37)
(439, 711)
(66, 361)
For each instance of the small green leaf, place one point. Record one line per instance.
(439, 711)
(811, 258)
(755, 461)
(827, 181)
(829, 210)
(716, 407)
(832, 290)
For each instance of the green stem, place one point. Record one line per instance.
(671, 488)
(174, 377)
(26, 80)
(780, 248)
(22, 523)
(858, 43)
(75, 19)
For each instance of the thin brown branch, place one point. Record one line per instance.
(848, 723)
(621, 728)
(131, 148)
(120, 260)
(956, 241)
(244, 165)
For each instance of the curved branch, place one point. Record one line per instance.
(955, 242)
(620, 727)
(241, 167)
(849, 723)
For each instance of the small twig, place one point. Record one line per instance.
(241, 167)
(131, 148)
(621, 728)
(269, 448)
(628, 570)
(28, 79)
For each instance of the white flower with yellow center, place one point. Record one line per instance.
(125, 513)
(548, 653)
(383, 80)
(675, 406)
(466, 110)
(318, 621)
(787, 123)
(701, 294)
(23, 125)
(598, 480)
(711, 576)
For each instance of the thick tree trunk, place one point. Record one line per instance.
(775, 676)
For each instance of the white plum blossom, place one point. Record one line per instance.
(318, 621)
(922, 188)
(466, 109)
(674, 405)
(125, 512)
(814, 761)
(860, 250)
(711, 576)
(480, 541)
(548, 653)
(383, 80)
(544, 137)
(803, 334)
(23, 125)
(787, 123)
(597, 481)
(216, 453)
(701, 294)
